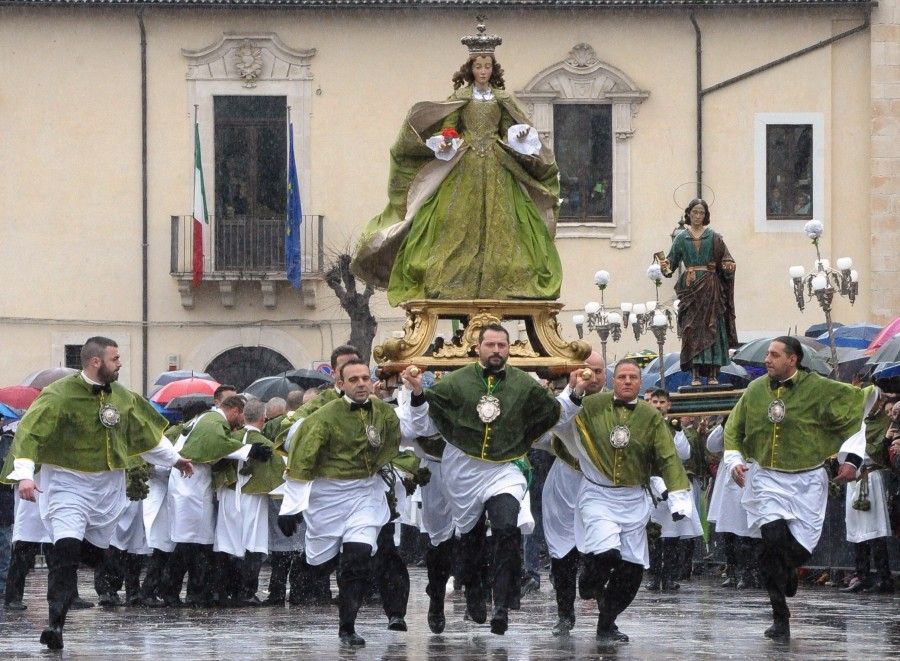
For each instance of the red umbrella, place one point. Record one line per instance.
(19, 397)
(184, 387)
(886, 334)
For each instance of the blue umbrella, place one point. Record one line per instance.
(172, 415)
(817, 329)
(732, 373)
(9, 413)
(886, 371)
(857, 336)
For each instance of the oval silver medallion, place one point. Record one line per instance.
(373, 436)
(619, 437)
(109, 415)
(776, 411)
(488, 408)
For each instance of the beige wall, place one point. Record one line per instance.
(70, 175)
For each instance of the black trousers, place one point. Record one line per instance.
(195, 561)
(353, 583)
(506, 561)
(565, 572)
(20, 563)
(780, 556)
(153, 580)
(390, 574)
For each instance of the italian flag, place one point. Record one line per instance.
(201, 217)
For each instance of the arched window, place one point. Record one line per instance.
(585, 107)
(241, 366)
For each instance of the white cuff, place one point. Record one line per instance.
(715, 442)
(242, 454)
(530, 145)
(296, 496)
(657, 486)
(682, 445)
(290, 434)
(162, 455)
(434, 143)
(681, 502)
(23, 469)
(569, 410)
(730, 459)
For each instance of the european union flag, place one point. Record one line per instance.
(294, 218)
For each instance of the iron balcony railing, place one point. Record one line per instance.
(248, 247)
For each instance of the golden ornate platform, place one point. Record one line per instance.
(543, 350)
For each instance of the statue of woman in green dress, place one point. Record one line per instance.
(473, 198)
(705, 290)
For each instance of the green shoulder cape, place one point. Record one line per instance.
(63, 428)
(649, 451)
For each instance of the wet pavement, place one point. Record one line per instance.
(700, 621)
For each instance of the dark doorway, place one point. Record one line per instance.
(242, 366)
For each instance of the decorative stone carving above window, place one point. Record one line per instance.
(249, 57)
(583, 78)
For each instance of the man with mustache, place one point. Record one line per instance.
(490, 414)
(82, 429)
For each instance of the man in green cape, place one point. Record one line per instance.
(620, 443)
(83, 430)
(190, 502)
(339, 469)
(242, 524)
(779, 436)
(490, 414)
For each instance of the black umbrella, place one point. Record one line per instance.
(889, 352)
(307, 378)
(179, 403)
(272, 386)
(177, 375)
(817, 329)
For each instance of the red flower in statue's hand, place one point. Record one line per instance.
(449, 134)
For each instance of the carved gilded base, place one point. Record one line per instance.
(543, 350)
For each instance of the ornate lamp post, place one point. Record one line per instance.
(823, 282)
(605, 322)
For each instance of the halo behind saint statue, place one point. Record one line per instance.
(683, 194)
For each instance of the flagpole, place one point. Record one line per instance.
(193, 197)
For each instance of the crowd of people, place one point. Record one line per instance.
(318, 483)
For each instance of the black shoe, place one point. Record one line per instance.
(15, 606)
(80, 604)
(670, 586)
(611, 635)
(476, 609)
(174, 602)
(273, 601)
(793, 579)
(352, 640)
(882, 587)
(780, 630)
(253, 602)
(52, 638)
(499, 621)
(152, 602)
(730, 582)
(652, 585)
(108, 600)
(529, 586)
(397, 623)
(563, 625)
(436, 622)
(133, 600)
